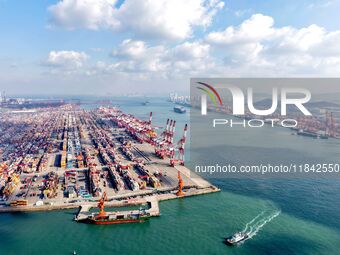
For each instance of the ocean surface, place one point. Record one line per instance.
(288, 216)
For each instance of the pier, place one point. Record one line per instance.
(152, 203)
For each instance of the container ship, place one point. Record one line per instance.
(302, 132)
(179, 109)
(105, 218)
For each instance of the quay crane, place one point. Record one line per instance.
(165, 143)
(140, 130)
(330, 124)
(148, 132)
(180, 185)
(101, 206)
(318, 127)
(180, 149)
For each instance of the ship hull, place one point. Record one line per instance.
(116, 222)
(228, 242)
(312, 135)
(179, 110)
(110, 222)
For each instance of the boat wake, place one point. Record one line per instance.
(256, 224)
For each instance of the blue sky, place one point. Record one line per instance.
(100, 46)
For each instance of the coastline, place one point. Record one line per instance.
(193, 191)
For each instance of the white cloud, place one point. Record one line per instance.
(173, 19)
(256, 28)
(139, 59)
(136, 56)
(188, 51)
(240, 13)
(322, 4)
(66, 60)
(258, 47)
(164, 19)
(89, 14)
(191, 59)
(136, 49)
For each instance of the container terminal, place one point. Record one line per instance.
(67, 157)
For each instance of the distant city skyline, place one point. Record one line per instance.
(115, 47)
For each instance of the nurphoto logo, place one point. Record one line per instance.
(243, 104)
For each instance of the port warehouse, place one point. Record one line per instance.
(59, 156)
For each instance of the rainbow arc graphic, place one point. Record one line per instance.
(211, 92)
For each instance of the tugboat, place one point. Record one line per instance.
(236, 238)
(179, 109)
(104, 218)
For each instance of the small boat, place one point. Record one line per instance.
(145, 101)
(179, 109)
(236, 238)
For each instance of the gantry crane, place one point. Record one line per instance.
(179, 149)
(101, 205)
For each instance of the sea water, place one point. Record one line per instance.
(286, 217)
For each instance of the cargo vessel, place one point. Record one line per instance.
(302, 132)
(117, 217)
(179, 109)
(106, 218)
